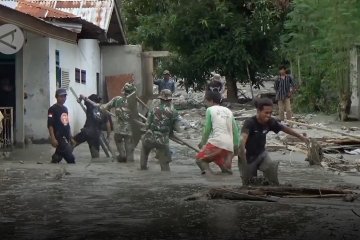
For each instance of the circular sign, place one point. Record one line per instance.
(11, 39)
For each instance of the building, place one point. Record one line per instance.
(77, 43)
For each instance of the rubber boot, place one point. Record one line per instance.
(144, 158)
(55, 158)
(94, 152)
(129, 149)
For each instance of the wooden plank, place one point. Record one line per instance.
(223, 193)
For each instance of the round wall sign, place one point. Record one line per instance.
(11, 39)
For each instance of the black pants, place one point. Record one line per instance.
(63, 150)
(92, 137)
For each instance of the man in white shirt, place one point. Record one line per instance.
(220, 137)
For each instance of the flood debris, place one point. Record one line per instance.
(326, 151)
(273, 194)
(222, 193)
(315, 154)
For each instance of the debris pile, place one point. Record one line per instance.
(188, 100)
(327, 151)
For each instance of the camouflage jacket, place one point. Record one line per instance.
(122, 113)
(161, 123)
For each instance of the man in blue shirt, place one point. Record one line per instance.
(166, 82)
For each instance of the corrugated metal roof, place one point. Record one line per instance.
(97, 12)
(40, 11)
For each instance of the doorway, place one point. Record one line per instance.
(7, 99)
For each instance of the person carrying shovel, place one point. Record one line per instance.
(162, 120)
(123, 131)
(91, 131)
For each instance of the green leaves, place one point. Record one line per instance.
(208, 35)
(322, 33)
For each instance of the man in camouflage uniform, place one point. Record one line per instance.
(161, 122)
(122, 130)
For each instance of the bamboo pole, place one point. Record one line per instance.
(103, 142)
(142, 103)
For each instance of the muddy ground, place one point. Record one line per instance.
(108, 200)
(103, 199)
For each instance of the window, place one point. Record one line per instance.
(83, 76)
(57, 58)
(98, 84)
(65, 79)
(77, 75)
(58, 69)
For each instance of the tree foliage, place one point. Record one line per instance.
(236, 38)
(318, 39)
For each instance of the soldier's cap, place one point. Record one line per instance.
(95, 98)
(129, 88)
(165, 95)
(60, 92)
(166, 72)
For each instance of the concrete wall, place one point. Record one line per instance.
(125, 59)
(39, 71)
(85, 56)
(36, 84)
(355, 81)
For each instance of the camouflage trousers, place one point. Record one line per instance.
(163, 153)
(125, 146)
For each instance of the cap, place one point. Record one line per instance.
(129, 88)
(165, 95)
(95, 98)
(60, 92)
(166, 72)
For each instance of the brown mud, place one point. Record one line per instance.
(108, 200)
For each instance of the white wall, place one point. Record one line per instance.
(36, 85)
(125, 59)
(85, 56)
(40, 80)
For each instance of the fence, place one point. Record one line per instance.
(7, 135)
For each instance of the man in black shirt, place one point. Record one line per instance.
(59, 129)
(253, 156)
(91, 131)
